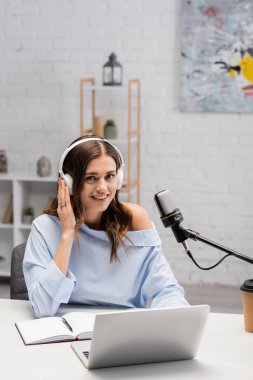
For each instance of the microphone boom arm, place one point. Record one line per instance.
(196, 236)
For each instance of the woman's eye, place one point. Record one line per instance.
(110, 176)
(90, 179)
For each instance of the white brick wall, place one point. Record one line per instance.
(204, 159)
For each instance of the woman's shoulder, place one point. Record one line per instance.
(45, 221)
(141, 219)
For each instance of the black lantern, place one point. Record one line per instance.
(112, 72)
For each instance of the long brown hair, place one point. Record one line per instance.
(116, 220)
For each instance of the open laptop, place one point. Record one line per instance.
(140, 336)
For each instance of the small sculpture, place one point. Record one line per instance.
(43, 167)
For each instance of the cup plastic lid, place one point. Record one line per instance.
(247, 286)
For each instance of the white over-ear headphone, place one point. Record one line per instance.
(67, 177)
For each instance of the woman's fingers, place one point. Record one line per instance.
(64, 209)
(61, 196)
(67, 196)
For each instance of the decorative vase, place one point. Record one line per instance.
(28, 215)
(110, 130)
(27, 219)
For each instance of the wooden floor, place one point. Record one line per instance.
(222, 299)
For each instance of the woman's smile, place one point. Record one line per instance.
(100, 198)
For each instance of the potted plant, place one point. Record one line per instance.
(110, 129)
(28, 215)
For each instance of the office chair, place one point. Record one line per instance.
(18, 289)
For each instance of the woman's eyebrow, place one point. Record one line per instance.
(96, 173)
(91, 173)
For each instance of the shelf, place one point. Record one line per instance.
(123, 88)
(122, 141)
(5, 177)
(23, 176)
(6, 226)
(24, 226)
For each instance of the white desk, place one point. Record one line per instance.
(226, 352)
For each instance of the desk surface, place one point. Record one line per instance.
(225, 352)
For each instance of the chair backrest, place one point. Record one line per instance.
(18, 289)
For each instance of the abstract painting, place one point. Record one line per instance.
(217, 56)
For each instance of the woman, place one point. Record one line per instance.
(89, 247)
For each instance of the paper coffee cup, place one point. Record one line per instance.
(247, 298)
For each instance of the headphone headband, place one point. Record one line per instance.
(82, 141)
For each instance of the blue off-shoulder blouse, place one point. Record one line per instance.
(142, 272)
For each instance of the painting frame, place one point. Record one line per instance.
(216, 56)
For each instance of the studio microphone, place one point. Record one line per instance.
(171, 217)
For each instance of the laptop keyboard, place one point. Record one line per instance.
(86, 354)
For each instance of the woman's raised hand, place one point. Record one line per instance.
(65, 210)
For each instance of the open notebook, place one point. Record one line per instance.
(71, 326)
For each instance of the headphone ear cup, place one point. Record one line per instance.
(119, 178)
(68, 181)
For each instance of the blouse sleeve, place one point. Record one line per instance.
(47, 286)
(160, 284)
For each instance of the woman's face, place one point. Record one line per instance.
(100, 184)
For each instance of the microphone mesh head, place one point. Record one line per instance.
(165, 202)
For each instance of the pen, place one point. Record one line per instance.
(67, 324)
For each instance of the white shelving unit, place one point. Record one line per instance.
(26, 190)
